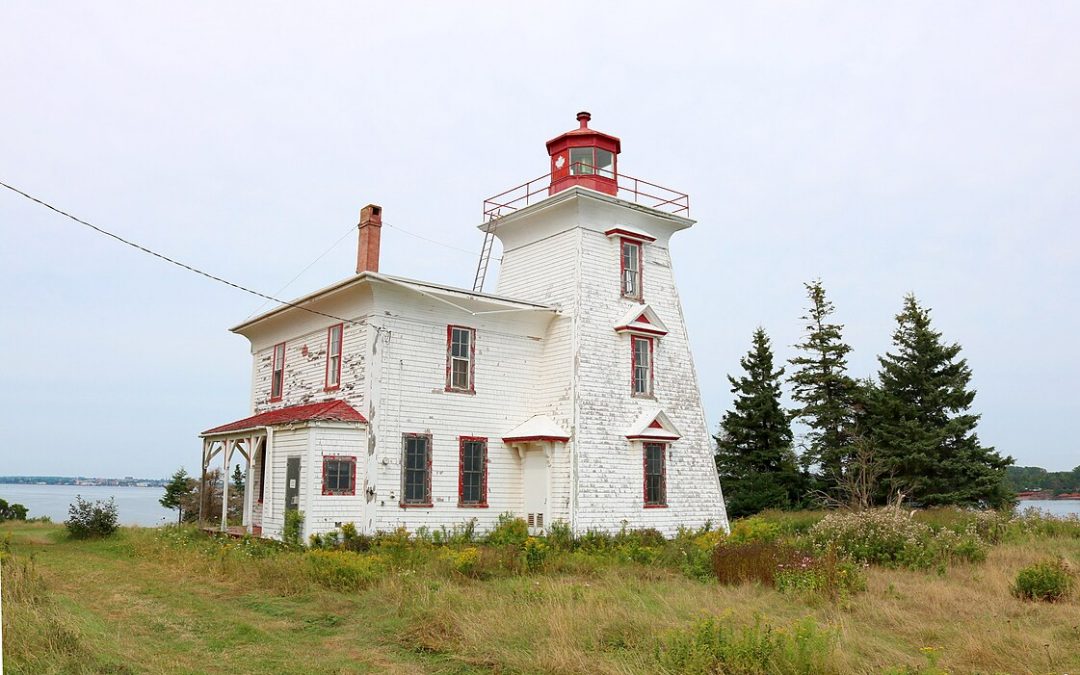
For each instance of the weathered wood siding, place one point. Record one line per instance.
(305, 369)
(284, 443)
(408, 396)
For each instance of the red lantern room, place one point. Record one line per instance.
(584, 157)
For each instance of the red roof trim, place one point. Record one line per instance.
(627, 234)
(629, 328)
(654, 437)
(330, 411)
(529, 439)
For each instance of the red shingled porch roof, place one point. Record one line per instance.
(335, 411)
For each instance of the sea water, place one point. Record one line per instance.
(134, 505)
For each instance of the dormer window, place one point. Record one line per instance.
(630, 267)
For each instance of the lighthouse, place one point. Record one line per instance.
(567, 396)
(616, 370)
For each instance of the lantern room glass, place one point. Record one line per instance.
(582, 162)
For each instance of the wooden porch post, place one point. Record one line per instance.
(252, 446)
(226, 454)
(202, 480)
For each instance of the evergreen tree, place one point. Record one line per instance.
(179, 487)
(238, 480)
(757, 466)
(823, 390)
(921, 423)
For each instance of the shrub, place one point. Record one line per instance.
(536, 551)
(754, 528)
(716, 646)
(12, 511)
(91, 519)
(1033, 522)
(464, 561)
(894, 539)
(827, 576)
(1048, 580)
(792, 522)
(351, 540)
(509, 531)
(559, 536)
(344, 571)
(294, 525)
(648, 537)
(735, 563)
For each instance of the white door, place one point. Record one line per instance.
(535, 474)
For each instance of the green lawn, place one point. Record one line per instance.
(133, 604)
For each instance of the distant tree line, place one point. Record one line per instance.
(1031, 478)
(906, 433)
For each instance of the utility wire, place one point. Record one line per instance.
(309, 266)
(471, 254)
(171, 260)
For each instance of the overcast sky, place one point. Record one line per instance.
(883, 147)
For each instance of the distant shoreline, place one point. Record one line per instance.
(83, 480)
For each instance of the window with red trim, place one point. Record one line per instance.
(339, 475)
(333, 356)
(655, 459)
(460, 357)
(277, 372)
(416, 470)
(630, 268)
(472, 472)
(641, 356)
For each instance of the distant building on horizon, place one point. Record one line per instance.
(567, 395)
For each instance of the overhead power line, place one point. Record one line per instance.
(167, 259)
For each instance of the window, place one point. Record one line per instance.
(581, 161)
(339, 475)
(592, 161)
(641, 357)
(333, 356)
(277, 372)
(655, 474)
(472, 472)
(416, 470)
(605, 163)
(631, 269)
(460, 349)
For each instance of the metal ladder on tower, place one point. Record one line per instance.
(485, 254)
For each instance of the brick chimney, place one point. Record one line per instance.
(367, 250)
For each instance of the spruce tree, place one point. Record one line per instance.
(754, 458)
(178, 487)
(921, 421)
(824, 391)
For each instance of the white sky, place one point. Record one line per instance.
(885, 147)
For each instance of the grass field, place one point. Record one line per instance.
(144, 602)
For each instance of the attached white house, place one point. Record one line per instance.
(568, 395)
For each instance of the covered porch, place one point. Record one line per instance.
(253, 440)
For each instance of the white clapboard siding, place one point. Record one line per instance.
(285, 443)
(329, 512)
(305, 369)
(411, 398)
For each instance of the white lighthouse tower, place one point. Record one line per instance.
(616, 370)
